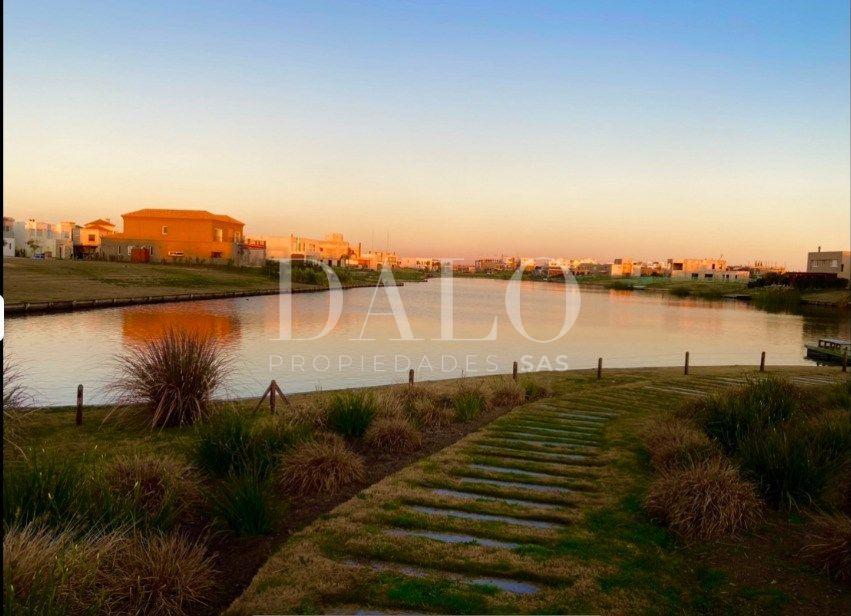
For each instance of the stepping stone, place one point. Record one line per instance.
(575, 440)
(474, 496)
(549, 445)
(451, 538)
(484, 517)
(565, 430)
(512, 470)
(503, 584)
(516, 484)
(532, 456)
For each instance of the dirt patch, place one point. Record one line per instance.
(239, 558)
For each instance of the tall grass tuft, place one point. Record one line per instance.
(349, 413)
(322, 466)
(158, 491)
(15, 401)
(174, 377)
(733, 416)
(429, 414)
(704, 501)
(533, 390)
(507, 394)
(674, 444)
(393, 434)
(468, 402)
(828, 545)
(244, 503)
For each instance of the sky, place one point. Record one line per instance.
(455, 129)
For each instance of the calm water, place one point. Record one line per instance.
(627, 329)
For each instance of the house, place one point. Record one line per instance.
(34, 237)
(830, 262)
(172, 235)
(624, 268)
(87, 239)
(687, 268)
(428, 264)
(333, 249)
(8, 236)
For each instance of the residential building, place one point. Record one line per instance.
(154, 234)
(686, 268)
(333, 249)
(830, 262)
(625, 268)
(490, 265)
(427, 264)
(376, 259)
(34, 237)
(8, 236)
(87, 239)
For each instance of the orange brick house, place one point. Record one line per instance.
(182, 236)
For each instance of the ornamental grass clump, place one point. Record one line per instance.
(172, 377)
(674, 444)
(468, 402)
(158, 491)
(533, 390)
(15, 401)
(393, 434)
(323, 466)
(827, 545)
(705, 501)
(349, 413)
(507, 394)
(244, 503)
(733, 416)
(429, 414)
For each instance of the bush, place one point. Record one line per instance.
(507, 393)
(158, 490)
(229, 443)
(323, 466)
(705, 501)
(174, 377)
(468, 402)
(679, 291)
(393, 434)
(828, 545)
(157, 574)
(674, 445)
(533, 390)
(349, 413)
(429, 414)
(244, 502)
(15, 399)
(732, 416)
(796, 462)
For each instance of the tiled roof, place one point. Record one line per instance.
(184, 214)
(100, 222)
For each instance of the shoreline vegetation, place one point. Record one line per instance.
(339, 501)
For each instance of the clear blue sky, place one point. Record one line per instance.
(603, 129)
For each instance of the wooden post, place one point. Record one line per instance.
(79, 418)
(845, 361)
(514, 371)
(599, 368)
(272, 387)
(685, 369)
(411, 376)
(762, 362)
(271, 391)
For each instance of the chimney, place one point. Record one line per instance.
(819, 248)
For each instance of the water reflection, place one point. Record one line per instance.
(138, 325)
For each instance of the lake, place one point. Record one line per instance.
(626, 328)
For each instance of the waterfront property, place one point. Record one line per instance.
(830, 262)
(171, 235)
(35, 238)
(333, 249)
(706, 269)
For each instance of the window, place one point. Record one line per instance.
(91, 237)
(215, 255)
(165, 230)
(695, 276)
(217, 235)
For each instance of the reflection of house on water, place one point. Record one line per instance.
(140, 325)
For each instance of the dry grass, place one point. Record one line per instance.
(157, 574)
(393, 434)
(173, 377)
(507, 394)
(161, 488)
(706, 501)
(828, 545)
(429, 414)
(321, 466)
(15, 401)
(675, 444)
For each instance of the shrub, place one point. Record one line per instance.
(680, 291)
(533, 390)
(828, 545)
(429, 414)
(15, 399)
(158, 490)
(795, 462)
(244, 502)
(468, 402)
(705, 501)
(393, 434)
(349, 413)
(174, 377)
(507, 393)
(732, 416)
(322, 466)
(231, 443)
(409, 395)
(157, 574)
(674, 444)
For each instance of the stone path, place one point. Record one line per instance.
(474, 516)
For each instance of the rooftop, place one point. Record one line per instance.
(180, 214)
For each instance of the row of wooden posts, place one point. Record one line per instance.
(273, 391)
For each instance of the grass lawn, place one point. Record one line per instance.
(540, 511)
